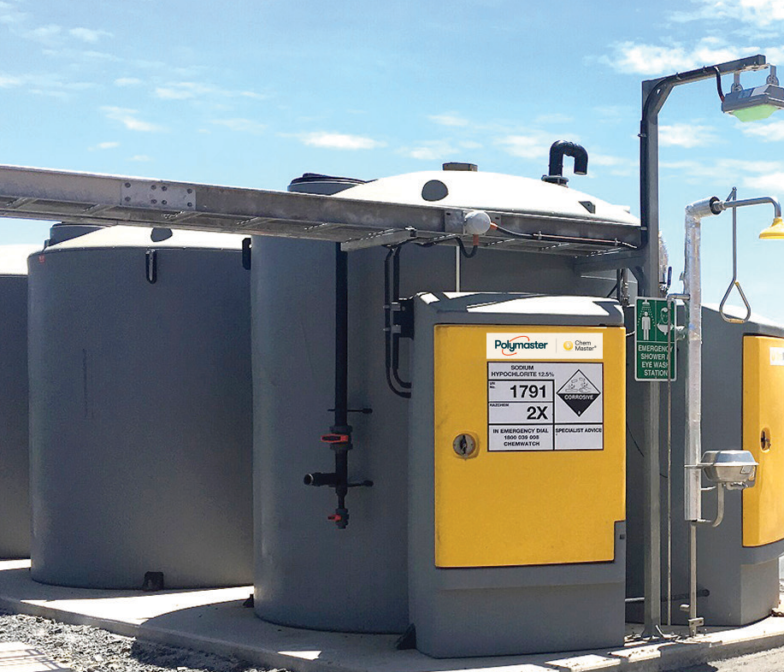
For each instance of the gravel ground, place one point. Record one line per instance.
(86, 649)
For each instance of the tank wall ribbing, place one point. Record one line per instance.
(140, 403)
(309, 573)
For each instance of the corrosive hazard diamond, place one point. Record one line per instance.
(578, 392)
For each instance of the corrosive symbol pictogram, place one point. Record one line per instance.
(578, 392)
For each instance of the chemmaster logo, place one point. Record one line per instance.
(541, 345)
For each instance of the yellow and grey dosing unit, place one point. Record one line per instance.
(517, 474)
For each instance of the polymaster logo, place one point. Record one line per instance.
(522, 342)
(545, 345)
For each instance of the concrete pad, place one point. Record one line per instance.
(19, 657)
(215, 621)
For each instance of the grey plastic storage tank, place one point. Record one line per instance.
(308, 573)
(140, 401)
(743, 393)
(14, 461)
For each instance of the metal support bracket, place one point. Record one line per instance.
(158, 195)
(388, 237)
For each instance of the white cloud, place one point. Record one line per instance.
(432, 150)
(253, 95)
(6, 81)
(44, 85)
(774, 55)
(44, 34)
(141, 157)
(685, 135)
(106, 145)
(195, 90)
(770, 132)
(617, 166)
(534, 145)
(241, 125)
(755, 175)
(554, 118)
(88, 35)
(183, 91)
(339, 141)
(760, 13)
(448, 119)
(9, 14)
(656, 59)
(127, 81)
(129, 119)
(770, 183)
(607, 160)
(64, 54)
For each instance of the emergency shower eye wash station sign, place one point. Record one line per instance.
(536, 404)
(653, 347)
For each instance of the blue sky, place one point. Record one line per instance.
(255, 92)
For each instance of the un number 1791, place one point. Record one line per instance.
(528, 391)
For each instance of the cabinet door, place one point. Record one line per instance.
(763, 436)
(530, 450)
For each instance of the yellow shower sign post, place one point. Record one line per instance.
(654, 347)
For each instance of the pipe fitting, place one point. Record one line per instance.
(558, 150)
(706, 208)
(318, 479)
(727, 205)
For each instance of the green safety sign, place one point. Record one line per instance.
(654, 348)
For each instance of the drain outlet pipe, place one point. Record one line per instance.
(339, 437)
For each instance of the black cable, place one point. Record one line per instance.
(446, 239)
(637, 446)
(391, 358)
(396, 336)
(463, 251)
(718, 83)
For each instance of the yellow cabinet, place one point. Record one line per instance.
(530, 447)
(763, 435)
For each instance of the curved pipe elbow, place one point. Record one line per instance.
(558, 150)
(563, 148)
(709, 206)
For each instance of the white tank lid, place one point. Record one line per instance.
(476, 190)
(13, 258)
(142, 236)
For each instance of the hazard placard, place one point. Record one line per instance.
(545, 406)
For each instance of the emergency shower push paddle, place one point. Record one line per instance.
(517, 474)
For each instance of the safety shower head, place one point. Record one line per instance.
(775, 231)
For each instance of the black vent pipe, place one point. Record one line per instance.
(558, 150)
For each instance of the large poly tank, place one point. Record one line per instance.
(14, 460)
(742, 396)
(140, 403)
(309, 573)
